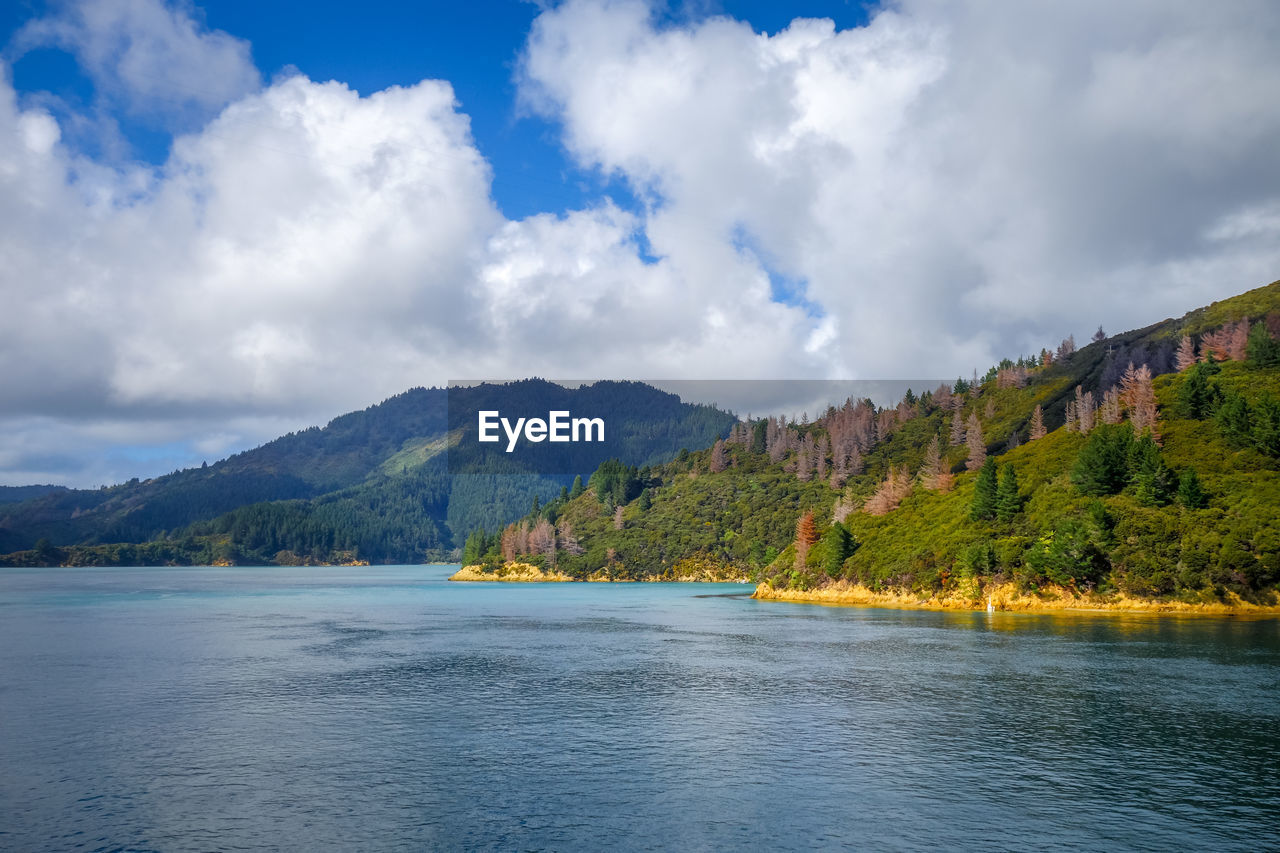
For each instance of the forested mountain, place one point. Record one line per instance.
(1146, 463)
(372, 485)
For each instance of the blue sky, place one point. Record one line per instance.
(377, 44)
(224, 221)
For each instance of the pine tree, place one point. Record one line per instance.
(718, 461)
(1037, 423)
(984, 493)
(838, 545)
(1102, 467)
(894, 489)
(806, 535)
(1196, 397)
(977, 445)
(1109, 411)
(957, 429)
(1008, 502)
(1139, 399)
(1152, 480)
(1084, 410)
(932, 467)
(1186, 353)
(645, 501)
(1190, 492)
(1262, 350)
(577, 489)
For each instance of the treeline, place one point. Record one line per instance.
(1157, 479)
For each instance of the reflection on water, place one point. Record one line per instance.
(383, 708)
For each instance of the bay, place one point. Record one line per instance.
(383, 708)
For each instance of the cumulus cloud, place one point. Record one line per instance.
(951, 182)
(157, 60)
(944, 186)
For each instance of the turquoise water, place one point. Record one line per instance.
(385, 709)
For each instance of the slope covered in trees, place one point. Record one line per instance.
(372, 485)
(1105, 469)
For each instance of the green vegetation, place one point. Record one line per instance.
(1184, 507)
(371, 486)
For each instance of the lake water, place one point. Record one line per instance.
(383, 708)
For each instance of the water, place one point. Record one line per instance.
(382, 708)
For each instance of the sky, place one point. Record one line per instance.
(220, 222)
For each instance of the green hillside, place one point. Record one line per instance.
(1186, 507)
(373, 485)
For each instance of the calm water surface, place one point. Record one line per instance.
(382, 708)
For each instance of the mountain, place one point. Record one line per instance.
(1146, 481)
(373, 485)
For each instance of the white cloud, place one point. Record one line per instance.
(155, 59)
(953, 182)
(945, 186)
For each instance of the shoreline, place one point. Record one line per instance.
(1007, 599)
(527, 573)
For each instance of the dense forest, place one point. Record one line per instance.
(379, 485)
(1146, 463)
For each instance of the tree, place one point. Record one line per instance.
(474, 549)
(894, 489)
(1152, 480)
(1196, 397)
(645, 501)
(957, 429)
(1008, 502)
(578, 488)
(806, 535)
(984, 493)
(1109, 412)
(1234, 419)
(977, 445)
(1190, 492)
(1102, 467)
(1084, 410)
(718, 462)
(1262, 349)
(1037, 423)
(838, 545)
(932, 467)
(1186, 353)
(1099, 335)
(1138, 397)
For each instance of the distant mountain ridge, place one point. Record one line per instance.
(370, 485)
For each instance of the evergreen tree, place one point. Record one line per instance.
(1152, 480)
(577, 489)
(473, 551)
(1262, 350)
(984, 492)
(759, 436)
(1037, 423)
(806, 535)
(645, 501)
(1102, 468)
(1196, 397)
(1190, 492)
(1008, 503)
(838, 545)
(1234, 420)
(977, 444)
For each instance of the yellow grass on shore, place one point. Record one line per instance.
(1006, 597)
(510, 573)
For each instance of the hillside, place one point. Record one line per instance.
(1153, 483)
(373, 485)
